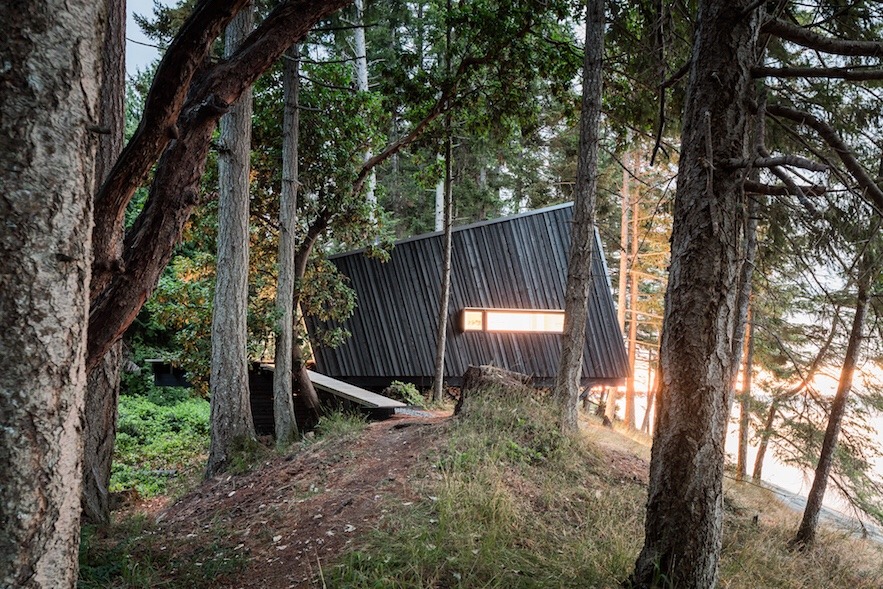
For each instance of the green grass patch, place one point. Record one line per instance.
(514, 503)
(340, 425)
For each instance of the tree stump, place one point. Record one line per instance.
(481, 377)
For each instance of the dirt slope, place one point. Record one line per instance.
(293, 514)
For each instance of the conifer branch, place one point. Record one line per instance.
(811, 40)
(852, 74)
(832, 138)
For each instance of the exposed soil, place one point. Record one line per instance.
(293, 514)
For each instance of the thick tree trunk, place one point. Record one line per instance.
(438, 385)
(806, 534)
(103, 385)
(745, 402)
(49, 97)
(231, 420)
(579, 267)
(283, 400)
(684, 507)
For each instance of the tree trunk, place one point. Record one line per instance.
(103, 384)
(684, 507)
(745, 284)
(629, 414)
(806, 534)
(438, 384)
(582, 240)
(299, 368)
(49, 97)
(625, 199)
(231, 420)
(757, 473)
(745, 402)
(99, 435)
(651, 394)
(361, 58)
(283, 399)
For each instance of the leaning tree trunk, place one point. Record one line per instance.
(283, 400)
(684, 507)
(231, 421)
(49, 97)
(582, 239)
(806, 534)
(103, 385)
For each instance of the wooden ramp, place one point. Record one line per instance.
(344, 390)
(352, 392)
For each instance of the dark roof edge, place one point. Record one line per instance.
(463, 228)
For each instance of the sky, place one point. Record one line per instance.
(138, 57)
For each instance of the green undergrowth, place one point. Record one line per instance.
(511, 502)
(161, 443)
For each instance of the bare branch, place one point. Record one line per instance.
(853, 74)
(782, 160)
(871, 191)
(759, 188)
(811, 40)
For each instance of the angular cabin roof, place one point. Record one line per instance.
(516, 262)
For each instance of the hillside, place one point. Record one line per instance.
(495, 497)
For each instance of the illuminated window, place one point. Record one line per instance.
(513, 320)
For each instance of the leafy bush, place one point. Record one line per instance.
(404, 392)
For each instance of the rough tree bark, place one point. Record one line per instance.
(579, 267)
(684, 508)
(231, 420)
(806, 533)
(103, 385)
(49, 97)
(283, 399)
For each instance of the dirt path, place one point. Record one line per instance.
(296, 513)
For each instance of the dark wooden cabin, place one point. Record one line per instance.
(505, 309)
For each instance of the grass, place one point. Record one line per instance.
(132, 554)
(513, 503)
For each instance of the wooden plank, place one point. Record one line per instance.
(348, 391)
(352, 392)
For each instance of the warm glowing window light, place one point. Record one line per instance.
(513, 320)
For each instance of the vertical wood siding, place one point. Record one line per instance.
(516, 262)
